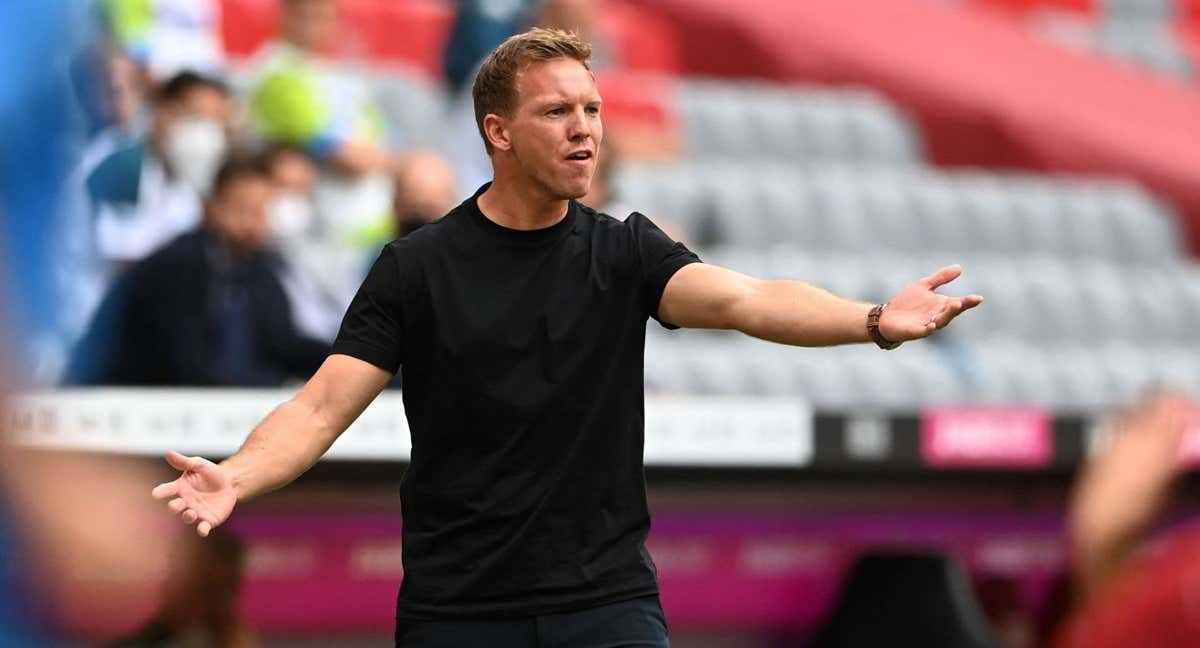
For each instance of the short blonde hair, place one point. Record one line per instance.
(495, 89)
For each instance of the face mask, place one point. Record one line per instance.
(194, 148)
(291, 215)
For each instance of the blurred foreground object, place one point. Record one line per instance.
(1128, 599)
(906, 599)
(201, 597)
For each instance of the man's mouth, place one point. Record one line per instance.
(580, 156)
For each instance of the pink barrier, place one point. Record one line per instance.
(769, 572)
(329, 572)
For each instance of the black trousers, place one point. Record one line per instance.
(637, 623)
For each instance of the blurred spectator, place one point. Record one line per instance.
(300, 98)
(581, 17)
(1127, 598)
(316, 307)
(81, 273)
(295, 177)
(479, 26)
(208, 309)
(166, 37)
(200, 597)
(424, 193)
(149, 191)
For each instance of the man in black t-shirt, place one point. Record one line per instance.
(518, 321)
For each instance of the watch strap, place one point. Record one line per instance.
(873, 329)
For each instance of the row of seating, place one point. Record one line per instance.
(1152, 33)
(760, 120)
(1036, 298)
(1065, 378)
(911, 210)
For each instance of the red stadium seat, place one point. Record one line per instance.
(412, 32)
(247, 24)
(642, 39)
(1025, 7)
(638, 97)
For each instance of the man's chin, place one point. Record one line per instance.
(575, 190)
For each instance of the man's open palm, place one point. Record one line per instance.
(203, 495)
(918, 311)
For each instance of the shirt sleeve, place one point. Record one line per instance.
(660, 258)
(373, 329)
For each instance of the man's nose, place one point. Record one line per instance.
(579, 127)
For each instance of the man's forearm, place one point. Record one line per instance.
(286, 444)
(800, 314)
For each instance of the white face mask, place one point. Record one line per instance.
(194, 148)
(291, 215)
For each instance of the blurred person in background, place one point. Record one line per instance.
(524, 505)
(82, 274)
(200, 599)
(134, 189)
(424, 193)
(299, 237)
(479, 26)
(1130, 592)
(166, 37)
(207, 309)
(150, 191)
(300, 97)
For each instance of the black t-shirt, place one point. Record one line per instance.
(521, 354)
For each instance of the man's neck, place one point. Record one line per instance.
(520, 206)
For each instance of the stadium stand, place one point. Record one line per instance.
(833, 183)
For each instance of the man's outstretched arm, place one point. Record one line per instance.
(287, 443)
(793, 312)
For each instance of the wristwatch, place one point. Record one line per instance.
(873, 329)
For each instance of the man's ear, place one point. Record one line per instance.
(497, 132)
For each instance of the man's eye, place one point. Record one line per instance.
(593, 110)
(556, 111)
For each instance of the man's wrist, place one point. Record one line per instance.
(873, 317)
(237, 480)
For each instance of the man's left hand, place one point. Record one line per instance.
(917, 311)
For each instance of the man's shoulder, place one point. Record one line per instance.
(601, 220)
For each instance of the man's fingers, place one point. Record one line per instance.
(942, 277)
(204, 528)
(190, 516)
(163, 491)
(177, 505)
(971, 301)
(178, 461)
(203, 466)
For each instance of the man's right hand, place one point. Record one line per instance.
(203, 495)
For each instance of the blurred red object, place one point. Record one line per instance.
(412, 32)
(1151, 603)
(643, 40)
(1025, 7)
